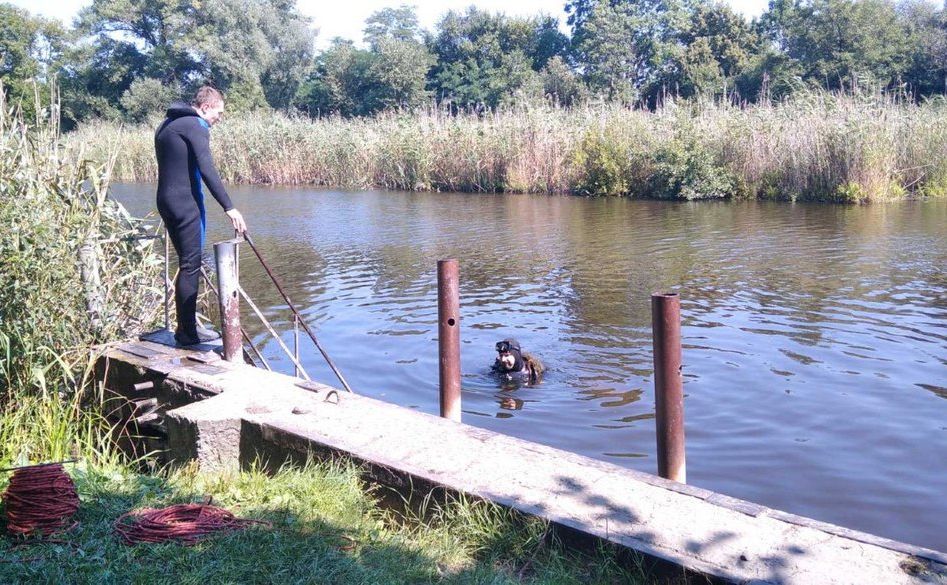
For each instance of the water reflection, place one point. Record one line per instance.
(815, 335)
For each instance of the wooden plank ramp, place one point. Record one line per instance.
(247, 413)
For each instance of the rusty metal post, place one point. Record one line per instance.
(228, 287)
(668, 385)
(448, 336)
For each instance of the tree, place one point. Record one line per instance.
(398, 24)
(625, 48)
(400, 60)
(486, 59)
(399, 71)
(259, 50)
(561, 84)
(350, 81)
(31, 50)
(715, 50)
(254, 50)
(147, 98)
(340, 82)
(833, 43)
(926, 29)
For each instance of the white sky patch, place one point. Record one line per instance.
(347, 20)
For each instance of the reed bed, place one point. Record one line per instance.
(75, 270)
(816, 146)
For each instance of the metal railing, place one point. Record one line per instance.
(237, 343)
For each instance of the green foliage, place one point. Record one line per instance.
(256, 51)
(625, 46)
(632, 52)
(836, 43)
(393, 24)
(350, 81)
(561, 85)
(485, 59)
(718, 46)
(925, 27)
(686, 169)
(340, 83)
(147, 98)
(604, 161)
(30, 51)
(71, 276)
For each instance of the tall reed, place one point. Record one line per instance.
(75, 270)
(817, 146)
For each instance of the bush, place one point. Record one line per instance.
(686, 169)
(603, 162)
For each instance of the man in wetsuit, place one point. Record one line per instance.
(182, 145)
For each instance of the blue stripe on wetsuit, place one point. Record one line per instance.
(200, 193)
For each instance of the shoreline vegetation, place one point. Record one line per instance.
(816, 146)
(75, 271)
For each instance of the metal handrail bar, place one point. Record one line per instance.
(292, 307)
(269, 328)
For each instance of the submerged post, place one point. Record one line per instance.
(668, 385)
(448, 336)
(228, 287)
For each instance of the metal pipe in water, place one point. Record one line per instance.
(448, 337)
(668, 385)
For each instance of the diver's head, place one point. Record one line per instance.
(509, 356)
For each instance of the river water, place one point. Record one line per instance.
(815, 336)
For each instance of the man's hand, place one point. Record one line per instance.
(236, 218)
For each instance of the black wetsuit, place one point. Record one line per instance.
(182, 145)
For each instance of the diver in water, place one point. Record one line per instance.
(512, 365)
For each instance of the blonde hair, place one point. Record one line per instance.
(207, 96)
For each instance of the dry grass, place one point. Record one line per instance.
(817, 146)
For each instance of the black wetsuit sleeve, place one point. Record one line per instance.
(199, 139)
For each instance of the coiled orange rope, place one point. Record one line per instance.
(40, 499)
(184, 523)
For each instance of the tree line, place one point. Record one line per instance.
(127, 59)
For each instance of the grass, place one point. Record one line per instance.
(325, 527)
(816, 146)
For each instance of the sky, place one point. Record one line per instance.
(347, 20)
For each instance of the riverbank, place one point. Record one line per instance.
(817, 146)
(77, 271)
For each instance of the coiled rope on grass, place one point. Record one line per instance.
(184, 523)
(40, 499)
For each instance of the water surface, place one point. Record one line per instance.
(815, 335)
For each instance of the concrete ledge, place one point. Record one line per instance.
(271, 417)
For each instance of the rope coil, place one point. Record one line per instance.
(40, 499)
(184, 523)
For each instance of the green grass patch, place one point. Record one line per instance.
(325, 526)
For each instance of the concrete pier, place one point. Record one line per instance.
(224, 415)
